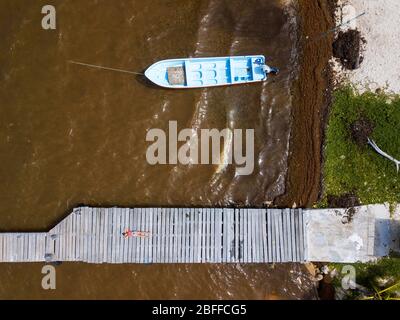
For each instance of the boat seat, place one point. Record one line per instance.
(176, 75)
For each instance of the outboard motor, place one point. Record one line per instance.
(267, 69)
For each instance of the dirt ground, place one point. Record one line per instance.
(312, 98)
(360, 130)
(348, 49)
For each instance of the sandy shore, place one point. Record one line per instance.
(380, 27)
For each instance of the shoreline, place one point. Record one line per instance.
(311, 102)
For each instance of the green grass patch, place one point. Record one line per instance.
(367, 275)
(351, 168)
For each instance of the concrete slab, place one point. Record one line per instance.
(349, 235)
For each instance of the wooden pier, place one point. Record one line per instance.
(175, 235)
(210, 235)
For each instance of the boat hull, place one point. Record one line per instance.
(208, 72)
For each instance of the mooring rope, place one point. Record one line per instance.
(384, 154)
(105, 68)
(337, 27)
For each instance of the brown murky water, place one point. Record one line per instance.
(73, 135)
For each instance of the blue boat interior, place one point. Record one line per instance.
(201, 72)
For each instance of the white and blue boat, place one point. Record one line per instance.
(209, 72)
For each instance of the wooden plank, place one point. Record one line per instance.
(292, 235)
(206, 234)
(187, 254)
(273, 237)
(71, 238)
(202, 234)
(131, 246)
(178, 225)
(249, 236)
(134, 240)
(185, 226)
(255, 238)
(107, 255)
(85, 243)
(2, 248)
(301, 235)
(96, 234)
(155, 235)
(173, 243)
(119, 237)
(228, 235)
(188, 233)
(90, 235)
(159, 234)
(217, 235)
(127, 241)
(305, 255)
(77, 233)
(93, 235)
(277, 236)
(64, 245)
(188, 236)
(198, 235)
(163, 227)
(295, 234)
(168, 235)
(253, 213)
(139, 240)
(236, 212)
(194, 235)
(286, 233)
(241, 236)
(150, 237)
(171, 235)
(212, 235)
(149, 213)
(289, 235)
(264, 235)
(32, 240)
(110, 237)
(87, 235)
(100, 237)
(34, 254)
(112, 244)
(258, 236)
(115, 238)
(105, 236)
(243, 221)
(281, 240)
